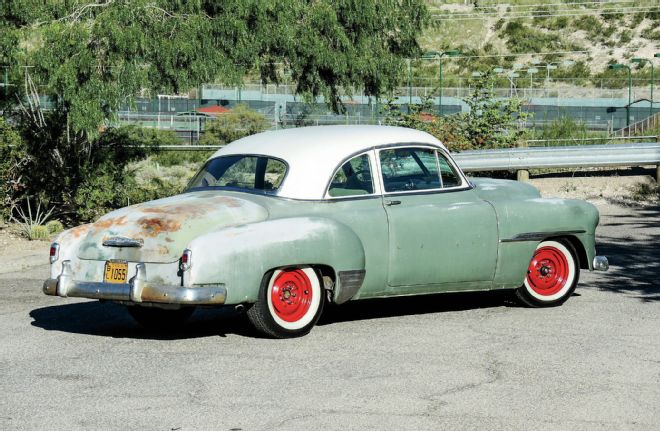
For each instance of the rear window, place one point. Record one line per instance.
(241, 172)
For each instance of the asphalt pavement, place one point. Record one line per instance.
(453, 361)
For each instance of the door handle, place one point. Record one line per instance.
(390, 203)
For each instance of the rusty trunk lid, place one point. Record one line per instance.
(158, 231)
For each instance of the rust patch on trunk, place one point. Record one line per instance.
(104, 224)
(78, 231)
(154, 226)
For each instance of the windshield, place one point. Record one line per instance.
(242, 172)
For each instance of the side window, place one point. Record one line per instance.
(449, 176)
(406, 169)
(353, 178)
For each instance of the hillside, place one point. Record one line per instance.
(579, 37)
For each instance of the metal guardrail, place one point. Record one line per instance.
(505, 159)
(522, 159)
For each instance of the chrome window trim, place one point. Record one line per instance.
(257, 191)
(465, 184)
(376, 190)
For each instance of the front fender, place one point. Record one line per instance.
(238, 257)
(524, 223)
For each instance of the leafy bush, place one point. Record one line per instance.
(13, 158)
(625, 36)
(82, 177)
(564, 128)
(173, 158)
(523, 39)
(241, 121)
(490, 123)
(558, 23)
(588, 23)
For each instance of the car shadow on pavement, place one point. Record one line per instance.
(634, 264)
(107, 319)
(415, 305)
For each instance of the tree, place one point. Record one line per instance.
(491, 122)
(90, 57)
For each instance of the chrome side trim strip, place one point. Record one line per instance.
(539, 236)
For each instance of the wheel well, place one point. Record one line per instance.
(579, 249)
(326, 271)
(322, 270)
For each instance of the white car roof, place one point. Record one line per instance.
(314, 153)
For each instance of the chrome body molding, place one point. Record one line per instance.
(137, 290)
(540, 236)
(349, 283)
(122, 241)
(601, 263)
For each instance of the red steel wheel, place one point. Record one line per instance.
(548, 271)
(290, 303)
(552, 274)
(291, 295)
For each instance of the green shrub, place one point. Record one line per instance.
(54, 226)
(13, 159)
(173, 158)
(654, 35)
(637, 19)
(241, 121)
(523, 39)
(592, 25)
(82, 177)
(39, 233)
(625, 36)
(564, 128)
(558, 23)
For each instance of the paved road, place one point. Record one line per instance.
(469, 361)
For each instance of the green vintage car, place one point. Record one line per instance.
(283, 222)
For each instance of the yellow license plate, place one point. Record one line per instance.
(116, 272)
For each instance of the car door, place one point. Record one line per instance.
(440, 232)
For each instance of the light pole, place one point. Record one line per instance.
(547, 66)
(409, 84)
(619, 66)
(432, 55)
(510, 76)
(531, 71)
(642, 61)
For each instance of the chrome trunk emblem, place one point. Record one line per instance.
(122, 241)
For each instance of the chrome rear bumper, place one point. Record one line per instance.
(136, 290)
(601, 263)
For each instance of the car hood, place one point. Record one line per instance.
(164, 227)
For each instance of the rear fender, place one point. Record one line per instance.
(238, 257)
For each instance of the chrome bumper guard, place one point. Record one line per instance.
(601, 263)
(136, 290)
